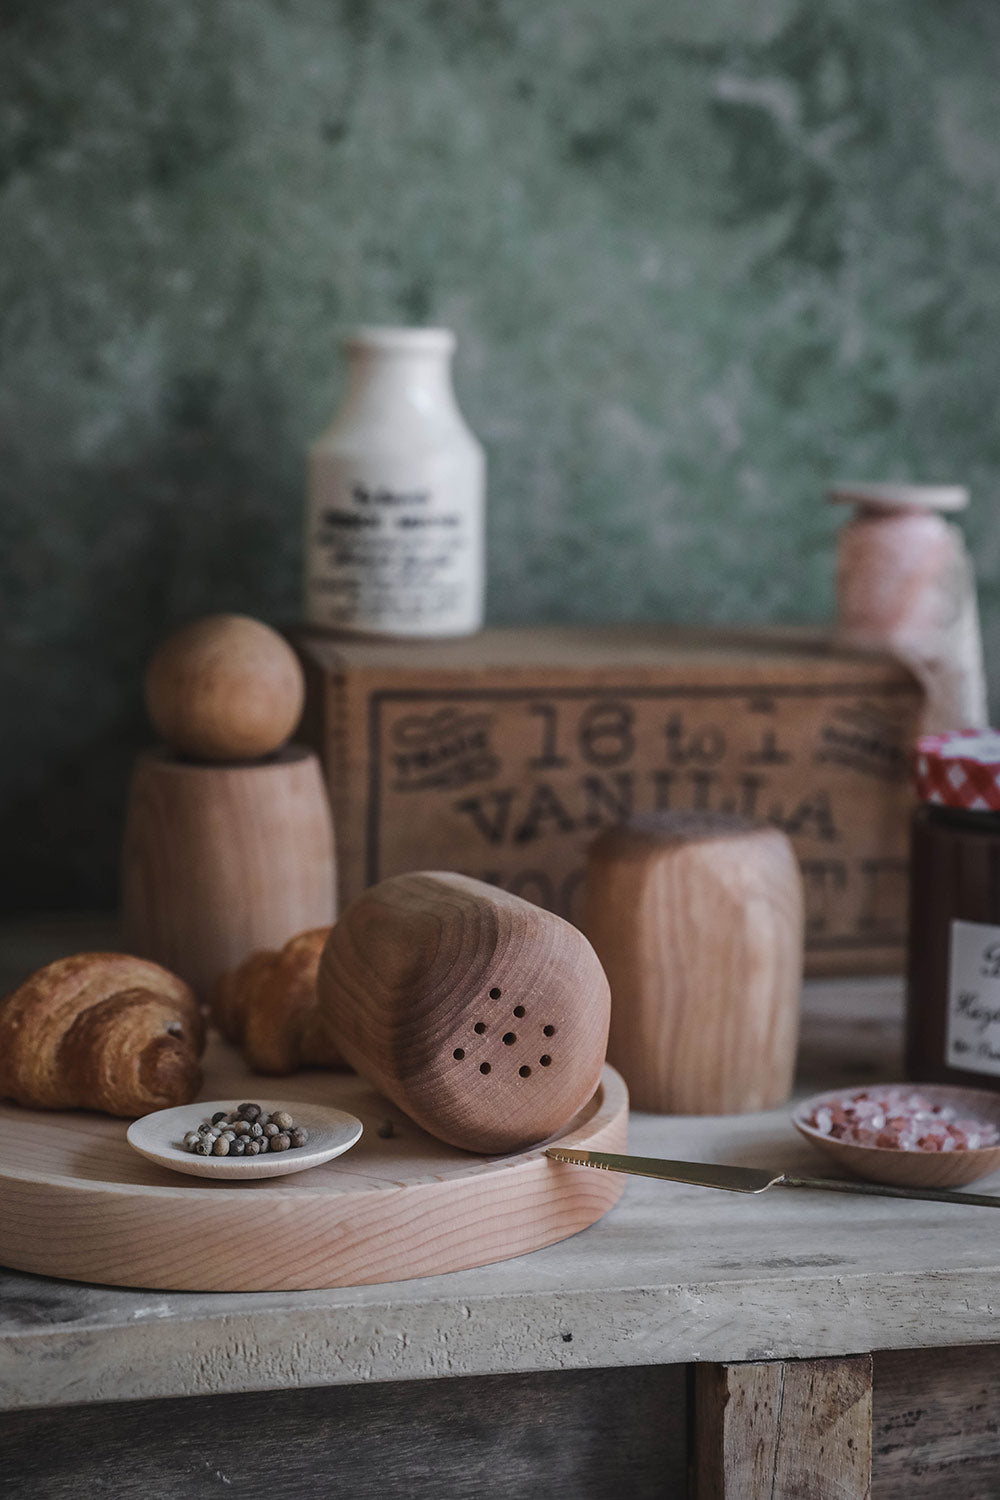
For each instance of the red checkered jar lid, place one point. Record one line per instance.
(961, 769)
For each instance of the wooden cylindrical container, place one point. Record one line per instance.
(220, 860)
(698, 922)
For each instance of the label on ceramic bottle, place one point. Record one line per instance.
(401, 558)
(973, 1041)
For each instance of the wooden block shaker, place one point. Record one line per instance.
(482, 1016)
(698, 921)
(228, 840)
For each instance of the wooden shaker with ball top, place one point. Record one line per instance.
(229, 844)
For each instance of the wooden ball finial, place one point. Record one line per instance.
(225, 688)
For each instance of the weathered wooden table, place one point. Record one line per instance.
(797, 1344)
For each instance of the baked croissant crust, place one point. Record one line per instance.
(101, 1031)
(268, 1006)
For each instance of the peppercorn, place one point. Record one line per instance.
(246, 1131)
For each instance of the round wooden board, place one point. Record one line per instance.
(77, 1202)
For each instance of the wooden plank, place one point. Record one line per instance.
(77, 1201)
(673, 1273)
(580, 1435)
(935, 1428)
(784, 1430)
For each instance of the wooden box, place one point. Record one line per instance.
(503, 754)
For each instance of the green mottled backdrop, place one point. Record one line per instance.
(702, 256)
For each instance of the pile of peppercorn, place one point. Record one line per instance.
(245, 1131)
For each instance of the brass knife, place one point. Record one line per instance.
(754, 1179)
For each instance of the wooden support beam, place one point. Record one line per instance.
(934, 1423)
(784, 1430)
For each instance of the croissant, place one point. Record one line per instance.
(268, 1006)
(101, 1031)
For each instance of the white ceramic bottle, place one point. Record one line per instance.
(396, 496)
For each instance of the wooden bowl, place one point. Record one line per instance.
(933, 1169)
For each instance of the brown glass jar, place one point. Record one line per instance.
(953, 966)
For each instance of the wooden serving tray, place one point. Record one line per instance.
(77, 1201)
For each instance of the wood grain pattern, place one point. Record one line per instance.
(220, 861)
(934, 1424)
(226, 687)
(561, 1435)
(784, 1430)
(76, 1201)
(482, 1016)
(698, 921)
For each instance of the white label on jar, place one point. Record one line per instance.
(974, 997)
(403, 558)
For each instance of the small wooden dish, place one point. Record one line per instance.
(931, 1169)
(159, 1137)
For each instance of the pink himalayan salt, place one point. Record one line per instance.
(901, 1120)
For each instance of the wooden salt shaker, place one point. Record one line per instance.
(228, 839)
(480, 1015)
(905, 584)
(698, 922)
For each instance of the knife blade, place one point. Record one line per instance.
(754, 1179)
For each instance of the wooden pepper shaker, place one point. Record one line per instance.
(698, 922)
(228, 840)
(482, 1016)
